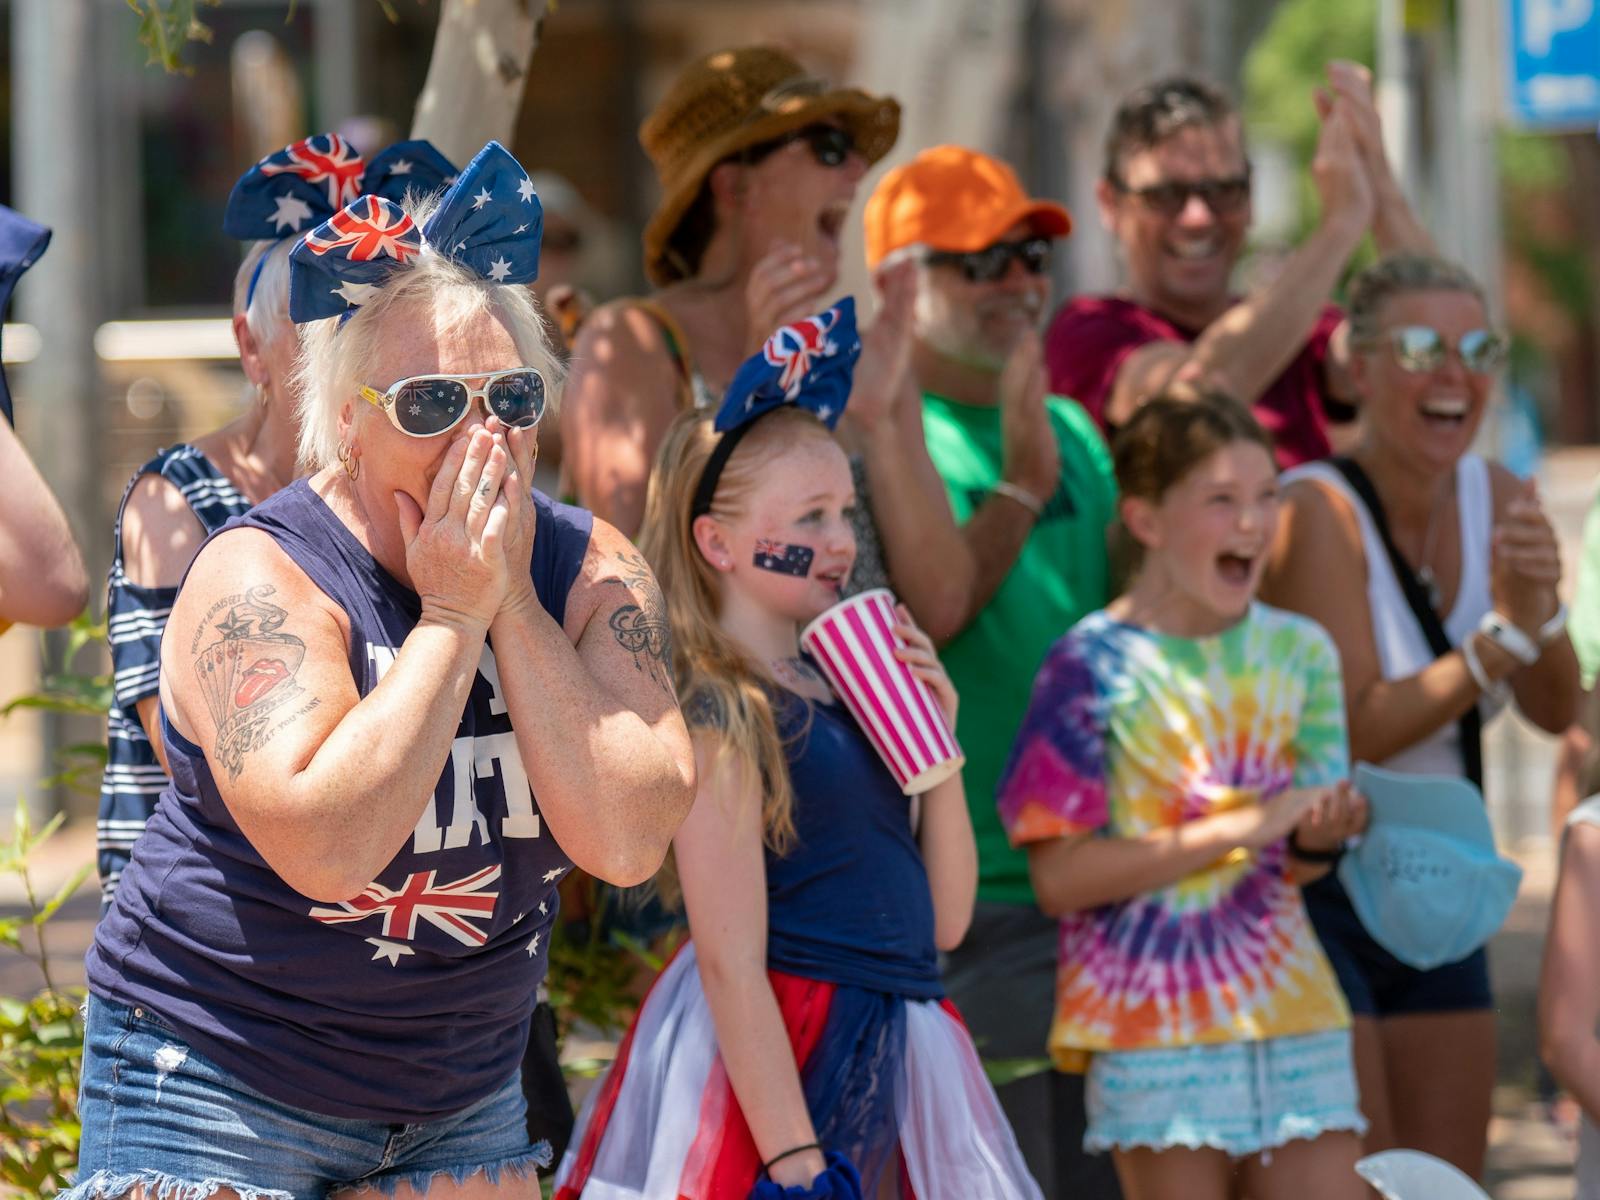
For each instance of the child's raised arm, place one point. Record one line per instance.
(1569, 986)
(722, 869)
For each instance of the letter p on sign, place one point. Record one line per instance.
(1544, 19)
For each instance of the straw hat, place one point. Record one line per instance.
(729, 101)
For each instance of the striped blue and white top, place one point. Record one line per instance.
(135, 618)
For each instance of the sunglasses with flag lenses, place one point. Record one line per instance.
(1422, 348)
(992, 262)
(1224, 197)
(428, 405)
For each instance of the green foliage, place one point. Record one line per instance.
(167, 26)
(41, 1039)
(1287, 62)
(66, 690)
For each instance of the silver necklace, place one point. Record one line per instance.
(1425, 575)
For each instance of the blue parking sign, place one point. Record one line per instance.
(1555, 62)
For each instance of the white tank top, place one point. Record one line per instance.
(1402, 647)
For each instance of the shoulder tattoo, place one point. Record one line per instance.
(641, 626)
(248, 674)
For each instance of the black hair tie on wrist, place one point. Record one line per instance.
(1313, 856)
(766, 1167)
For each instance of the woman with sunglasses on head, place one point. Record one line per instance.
(401, 699)
(1436, 573)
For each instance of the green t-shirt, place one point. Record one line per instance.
(1061, 575)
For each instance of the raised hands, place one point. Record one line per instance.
(1339, 168)
(1031, 459)
(883, 373)
(785, 285)
(456, 551)
(1525, 563)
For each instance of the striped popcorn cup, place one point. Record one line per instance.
(854, 644)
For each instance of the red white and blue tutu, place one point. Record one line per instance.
(895, 1085)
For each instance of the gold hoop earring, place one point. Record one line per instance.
(351, 463)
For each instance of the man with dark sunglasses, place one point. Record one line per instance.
(1176, 196)
(1030, 484)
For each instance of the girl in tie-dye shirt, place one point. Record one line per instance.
(1180, 772)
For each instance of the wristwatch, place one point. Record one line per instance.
(1503, 632)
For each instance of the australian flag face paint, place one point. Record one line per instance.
(784, 558)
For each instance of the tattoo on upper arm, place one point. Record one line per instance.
(248, 674)
(642, 629)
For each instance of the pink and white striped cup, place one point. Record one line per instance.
(854, 644)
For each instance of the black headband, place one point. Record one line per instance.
(706, 490)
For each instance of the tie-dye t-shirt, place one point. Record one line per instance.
(1131, 731)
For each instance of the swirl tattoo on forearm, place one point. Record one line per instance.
(249, 674)
(642, 629)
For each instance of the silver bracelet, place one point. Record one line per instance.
(1021, 495)
(1487, 686)
(1503, 632)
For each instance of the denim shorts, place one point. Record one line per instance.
(1243, 1098)
(158, 1113)
(1375, 982)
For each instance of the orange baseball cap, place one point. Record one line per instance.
(955, 199)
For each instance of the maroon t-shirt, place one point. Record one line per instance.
(1091, 337)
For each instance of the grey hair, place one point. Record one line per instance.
(336, 358)
(1400, 274)
(266, 310)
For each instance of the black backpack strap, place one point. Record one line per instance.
(1471, 722)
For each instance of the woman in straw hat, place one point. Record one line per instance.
(759, 163)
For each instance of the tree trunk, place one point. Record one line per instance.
(476, 76)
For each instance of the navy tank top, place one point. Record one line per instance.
(849, 903)
(410, 1001)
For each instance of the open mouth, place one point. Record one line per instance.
(1195, 251)
(1236, 569)
(833, 579)
(1446, 412)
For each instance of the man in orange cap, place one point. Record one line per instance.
(1176, 196)
(1030, 483)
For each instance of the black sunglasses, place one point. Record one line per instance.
(829, 145)
(992, 262)
(1224, 197)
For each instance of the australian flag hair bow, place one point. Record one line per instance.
(808, 364)
(301, 186)
(490, 222)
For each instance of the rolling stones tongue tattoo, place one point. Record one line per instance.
(784, 558)
(248, 675)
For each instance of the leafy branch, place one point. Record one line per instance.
(167, 26)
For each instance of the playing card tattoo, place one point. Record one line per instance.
(249, 674)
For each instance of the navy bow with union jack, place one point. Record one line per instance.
(301, 186)
(808, 364)
(490, 221)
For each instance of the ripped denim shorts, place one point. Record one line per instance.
(157, 1113)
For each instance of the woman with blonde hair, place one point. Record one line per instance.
(402, 698)
(799, 1044)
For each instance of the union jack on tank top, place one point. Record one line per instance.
(409, 1001)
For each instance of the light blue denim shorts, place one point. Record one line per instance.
(1240, 1097)
(158, 1113)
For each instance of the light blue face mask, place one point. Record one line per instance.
(1425, 879)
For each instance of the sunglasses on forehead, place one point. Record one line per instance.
(1224, 197)
(427, 405)
(1422, 348)
(992, 262)
(828, 144)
